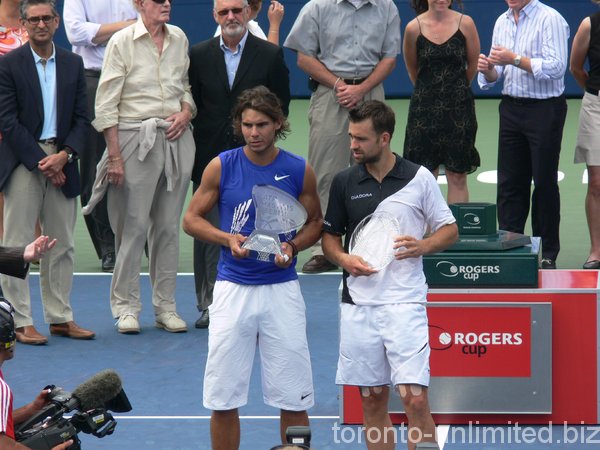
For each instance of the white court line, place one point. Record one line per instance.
(491, 177)
(208, 417)
(441, 430)
(184, 274)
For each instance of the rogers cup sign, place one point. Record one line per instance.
(480, 342)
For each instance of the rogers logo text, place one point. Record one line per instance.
(488, 338)
(468, 272)
(478, 344)
(471, 343)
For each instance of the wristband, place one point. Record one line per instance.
(294, 248)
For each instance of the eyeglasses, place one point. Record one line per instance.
(35, 20)
(162, 2)
(225, 12)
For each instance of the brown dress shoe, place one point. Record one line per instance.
(71, 330)
(29, 335)
(318, 264)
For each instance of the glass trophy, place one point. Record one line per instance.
(278, 214)
(373, 239)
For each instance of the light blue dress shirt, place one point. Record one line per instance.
(232, 59)
(46, 70)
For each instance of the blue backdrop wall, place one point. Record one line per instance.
(195, 18)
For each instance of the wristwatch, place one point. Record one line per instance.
(70, 156)
(517, 61)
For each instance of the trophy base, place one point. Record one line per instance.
(263, 246)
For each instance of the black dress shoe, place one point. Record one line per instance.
(108, 262)
(204, 320)
(547, 263)
(593, 264)
(318, 264)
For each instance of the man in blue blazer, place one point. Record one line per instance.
(43, 122)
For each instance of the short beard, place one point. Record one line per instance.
(233, 32)
(372, 159)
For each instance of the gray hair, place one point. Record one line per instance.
(245, 4)
(25, 4)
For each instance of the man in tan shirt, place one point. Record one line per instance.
(144, 106)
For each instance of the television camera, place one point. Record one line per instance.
(92, 401)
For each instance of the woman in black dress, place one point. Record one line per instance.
(441, 47)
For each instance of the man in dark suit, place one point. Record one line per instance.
(43, 124)
(220, 69)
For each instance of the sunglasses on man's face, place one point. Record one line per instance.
(162, 2)
(225, 12)
(35, 20)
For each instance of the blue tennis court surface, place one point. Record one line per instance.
(162, 376)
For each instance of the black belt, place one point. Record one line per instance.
(50, 141)
(92, 73)
(591, 91)
(353, 80)
(527, 100)
(314, 84)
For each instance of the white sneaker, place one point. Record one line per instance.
(170, 321)
(128, 324)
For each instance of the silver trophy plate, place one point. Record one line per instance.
(373, 239)
(277, 214)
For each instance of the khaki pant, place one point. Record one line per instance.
(146, 208)
(27, 197)
(329, 143)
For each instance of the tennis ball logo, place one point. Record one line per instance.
(447, 269)
(439, 338)
(472, 219)
(445, 338)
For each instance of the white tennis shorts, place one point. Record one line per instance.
(383, 344)
(273, 317)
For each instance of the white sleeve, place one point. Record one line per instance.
(80, 32)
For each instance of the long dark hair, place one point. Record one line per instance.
(264, 101)
(420, 6)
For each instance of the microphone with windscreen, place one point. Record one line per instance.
(103, 390)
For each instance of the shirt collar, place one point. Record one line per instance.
(37, 58)
(141, 30)
(528, 9)
(240, 46)
(373, 2)
(397, 171)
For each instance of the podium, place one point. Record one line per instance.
(483, 256)
(509, 342)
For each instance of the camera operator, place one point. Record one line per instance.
(15, 261)
(8, 418)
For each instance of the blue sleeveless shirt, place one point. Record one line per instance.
(237, 213)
